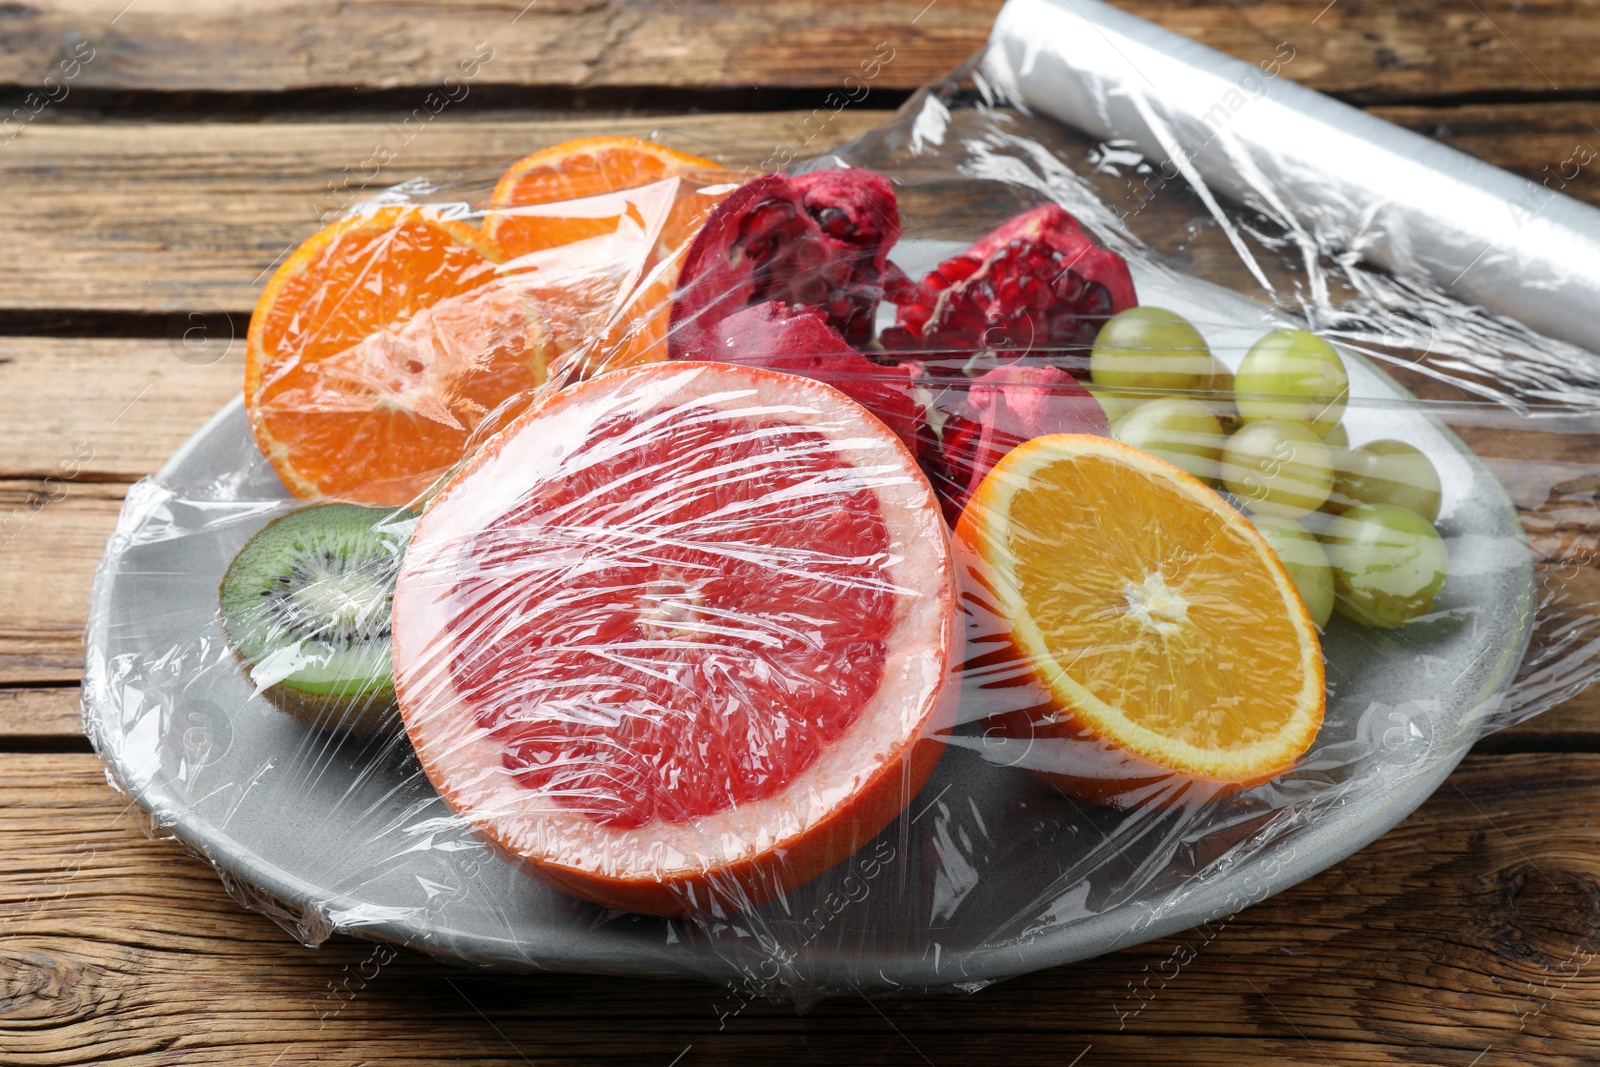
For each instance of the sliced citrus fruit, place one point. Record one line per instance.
(556, 198)
(1168, 646)
(376, 350)
(577, 170)
(604, 289)
(589, 165)
(678, 639)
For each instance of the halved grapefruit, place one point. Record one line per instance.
(679, 639)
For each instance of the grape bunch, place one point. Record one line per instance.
(1352, 526)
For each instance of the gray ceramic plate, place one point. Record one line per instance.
(987, 875)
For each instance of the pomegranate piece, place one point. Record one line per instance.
(798, 340)
(819, 239)
(1034, 284)
(1003, 408)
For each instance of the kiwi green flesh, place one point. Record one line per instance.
(306, 606)
(362, 714)
(317, 669)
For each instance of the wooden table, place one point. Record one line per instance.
(172, 152)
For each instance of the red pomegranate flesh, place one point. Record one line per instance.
(819, 239)
(1003, 408)
(1036, 284)
(798, 340)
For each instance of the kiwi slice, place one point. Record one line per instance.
(306, 604)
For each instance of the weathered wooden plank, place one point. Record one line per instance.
(1362, 47)
(82, 416)
(266, 46)
(1556, 145)
(174, 218)
(28, 715)
(79, 410)
(55, 536)
(1467, 932)
(1573, 726)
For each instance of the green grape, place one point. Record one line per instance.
(1179, 430)
(1388, 564)
(1338, 442)
(1279, 467)
(1221, 382)
(1292, 375)
(1114, 405)
(1150, 348)
(1386, 472)
(1220, 400)
(1303, 557)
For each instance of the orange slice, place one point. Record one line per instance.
(589, 165)
(557, 198)
(377, 349)
(1167, 647)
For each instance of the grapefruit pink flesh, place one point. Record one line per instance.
(679, 639)
(662, 652)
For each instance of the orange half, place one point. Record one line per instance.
(378, 348)
(590, 165)
(1159, 629)
(557, 198)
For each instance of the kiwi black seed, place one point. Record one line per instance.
(306, 606)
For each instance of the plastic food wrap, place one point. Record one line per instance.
(922, 566)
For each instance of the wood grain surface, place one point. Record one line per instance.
(177, 219)
(187, 146)
(1466, 932)
(38, 716)
(1370, 49)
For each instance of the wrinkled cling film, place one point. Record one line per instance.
(695, 679)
